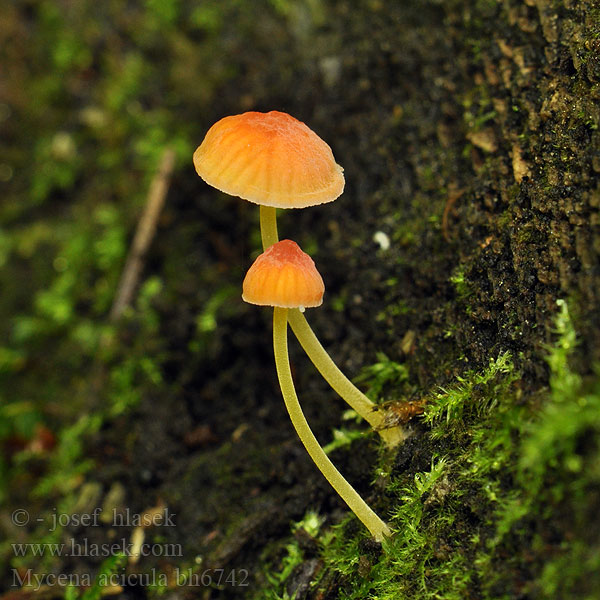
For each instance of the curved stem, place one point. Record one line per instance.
(357, 505)
(339, 382)
(319, 356)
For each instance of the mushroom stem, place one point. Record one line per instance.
(357, 505)
(339, 382)
(319, 356)
(268, 226)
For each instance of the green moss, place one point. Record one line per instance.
(475, 394)
(108, 575)
(461, 284)
(292, 557)
(463, 527)
(382, 375)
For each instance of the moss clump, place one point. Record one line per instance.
(475, 523)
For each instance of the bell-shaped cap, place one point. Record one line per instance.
(270, 159)
(284, 276)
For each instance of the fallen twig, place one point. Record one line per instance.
(453, 196)
(143, 235)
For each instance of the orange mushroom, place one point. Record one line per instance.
(285, 277)
(274, 160)
(270, 159)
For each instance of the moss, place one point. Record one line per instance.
(461, 284)
(382, 376)
(464, 526)
(476, 394)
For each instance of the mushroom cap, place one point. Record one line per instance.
(283, 276)
(270, 159)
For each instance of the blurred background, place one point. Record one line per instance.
(92, 94)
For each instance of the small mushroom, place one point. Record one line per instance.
(274, 160)
(285, 277)
(270, 159)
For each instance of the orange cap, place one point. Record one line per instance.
(283, 276)
(271, 159)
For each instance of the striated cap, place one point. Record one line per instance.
(284, 276)
(271, 159)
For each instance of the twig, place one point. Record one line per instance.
(133, 266)
(143, 235)
(453, 196)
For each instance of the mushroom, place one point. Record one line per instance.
(274, 160)
(286, 278)
(270, 159)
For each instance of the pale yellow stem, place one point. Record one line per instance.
(268, 226)
(357, 505)
(319, 356)
(369, 411)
